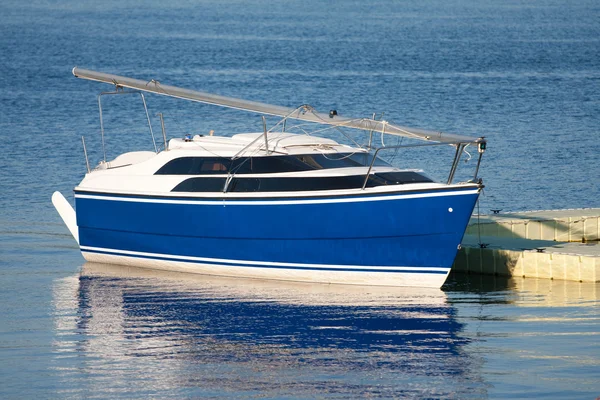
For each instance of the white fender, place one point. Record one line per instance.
(67, 213)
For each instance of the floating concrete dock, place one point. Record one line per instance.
(557, 244)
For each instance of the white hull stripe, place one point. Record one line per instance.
(233, 202)
(263, 264)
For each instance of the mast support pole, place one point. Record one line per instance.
(459, 148)
(162, 126)
(119, 90)
(264, 121)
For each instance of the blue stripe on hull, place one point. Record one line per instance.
(406, 232)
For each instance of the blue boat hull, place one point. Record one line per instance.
(402, 238)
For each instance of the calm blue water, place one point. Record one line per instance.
(524, 74)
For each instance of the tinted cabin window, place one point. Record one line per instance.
(297, 184)
(264, 165)
(195, 166)
(201, 185)
(399, 178)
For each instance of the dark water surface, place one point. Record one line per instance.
(524, 74)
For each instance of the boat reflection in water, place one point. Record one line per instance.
(192, 335)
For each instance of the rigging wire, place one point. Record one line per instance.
(469, 154)
(304, 109)
(337, 127)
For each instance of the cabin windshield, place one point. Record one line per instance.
(264, 165)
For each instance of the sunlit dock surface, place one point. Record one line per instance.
(555, 244)
(573, 225)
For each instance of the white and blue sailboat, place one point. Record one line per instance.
(273, 204)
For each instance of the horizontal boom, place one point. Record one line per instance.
(304, 113)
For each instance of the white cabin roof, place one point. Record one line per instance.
(251, 143)
(134, 172)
